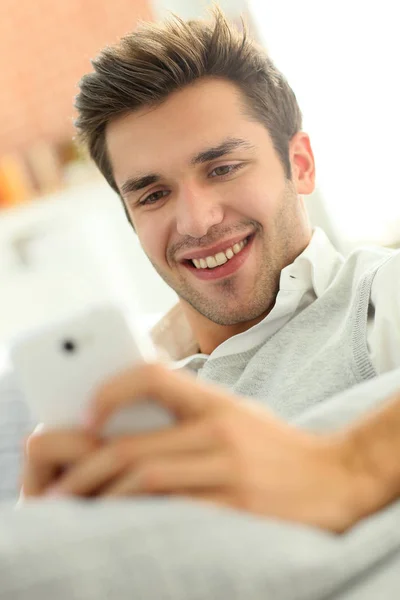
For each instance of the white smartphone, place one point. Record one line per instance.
(59, 367)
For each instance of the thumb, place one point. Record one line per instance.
(178, 392)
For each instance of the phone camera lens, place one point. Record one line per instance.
(69, 346)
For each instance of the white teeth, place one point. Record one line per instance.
(219, 259)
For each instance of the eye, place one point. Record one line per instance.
(224, 170)
(154, 197)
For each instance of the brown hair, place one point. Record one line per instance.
(159, 58)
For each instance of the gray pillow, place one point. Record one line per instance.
(173, 549)
(153, 549)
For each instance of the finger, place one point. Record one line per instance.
(59, 446)
(90, 474)
(35, 480)
(186, 437)
(168, 476)
(46, 452)
(179, 392)
(126, 452)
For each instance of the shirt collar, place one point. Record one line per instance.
(314, 269)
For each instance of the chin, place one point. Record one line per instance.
(236, 316)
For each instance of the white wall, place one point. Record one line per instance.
(341, 58)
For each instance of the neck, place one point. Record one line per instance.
(210, 335)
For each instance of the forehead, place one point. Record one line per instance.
(200, 115)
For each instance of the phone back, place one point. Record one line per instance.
(60, 366)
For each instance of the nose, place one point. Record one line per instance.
(197, 210)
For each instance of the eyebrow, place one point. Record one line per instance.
(134, 184)
(221, 150)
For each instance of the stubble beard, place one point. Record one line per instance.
(232, 304)
(229, 303)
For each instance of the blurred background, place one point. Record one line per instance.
(64, 239)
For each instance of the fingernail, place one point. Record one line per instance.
(88, 421)
(55, 492)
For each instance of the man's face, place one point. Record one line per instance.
(204, 186)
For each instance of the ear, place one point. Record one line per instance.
(302, 161)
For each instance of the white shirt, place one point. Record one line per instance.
(301, 283)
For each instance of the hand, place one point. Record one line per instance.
(49, 453)
(222, 449)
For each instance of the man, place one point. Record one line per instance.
(200, 135)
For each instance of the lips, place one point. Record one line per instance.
(228, 268)
(213, 250)
(211, 262)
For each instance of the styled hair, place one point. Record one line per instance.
(157, 59)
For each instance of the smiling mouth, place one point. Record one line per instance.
(217, 260)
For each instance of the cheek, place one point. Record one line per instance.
(252, 194)
(263, 196)
(152, 232)
(253, 200)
